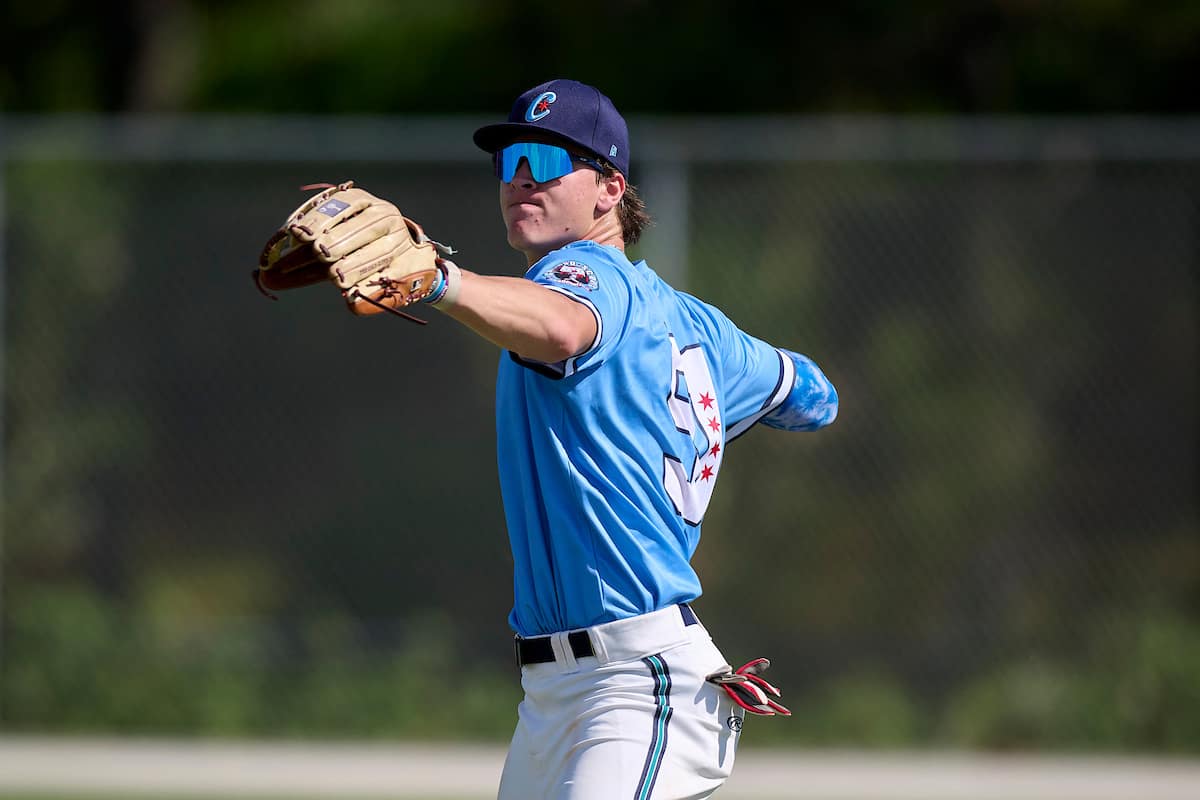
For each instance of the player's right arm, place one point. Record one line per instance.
(516, 314)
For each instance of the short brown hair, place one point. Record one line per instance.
(631, 211)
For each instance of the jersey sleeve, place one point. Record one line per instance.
(757, 380)
(589, 277)
(782, 389)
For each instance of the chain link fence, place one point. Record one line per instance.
(230, 516)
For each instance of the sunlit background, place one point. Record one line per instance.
(236, 523)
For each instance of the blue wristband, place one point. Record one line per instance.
(439, 288)
(445, 291)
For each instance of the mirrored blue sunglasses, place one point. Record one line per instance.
(546, 161)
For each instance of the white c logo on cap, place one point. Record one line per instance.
(540, 106)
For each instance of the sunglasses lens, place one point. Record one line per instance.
(546, 161)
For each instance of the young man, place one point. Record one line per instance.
(615, 400)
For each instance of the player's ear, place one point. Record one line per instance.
(612, 189)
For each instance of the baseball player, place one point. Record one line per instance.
(616, 398)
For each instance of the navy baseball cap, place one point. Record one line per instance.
(564, 109)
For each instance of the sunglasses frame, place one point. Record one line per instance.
(546, 159)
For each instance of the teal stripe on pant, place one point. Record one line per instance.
(662, 716)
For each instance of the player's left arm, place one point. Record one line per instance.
(777, 387)
(810, 403)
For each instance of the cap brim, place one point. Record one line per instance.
(491, 138)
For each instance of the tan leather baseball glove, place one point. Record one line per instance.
(378, 258)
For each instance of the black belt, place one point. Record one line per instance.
(538, 650)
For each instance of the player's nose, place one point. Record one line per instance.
(523, 176)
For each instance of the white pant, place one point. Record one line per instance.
(636, 721)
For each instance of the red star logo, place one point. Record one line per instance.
(716, 448)
(706, 401)
(542, 106)
(712, 423)
(706, 473)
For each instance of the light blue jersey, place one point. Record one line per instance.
(608, 460)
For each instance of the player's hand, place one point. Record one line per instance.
(748, 689)
(380, 259)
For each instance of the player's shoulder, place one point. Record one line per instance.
(581, 264)
(704, 313)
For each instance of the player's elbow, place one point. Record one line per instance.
(808, 410)
(812, 404)
(827, 410)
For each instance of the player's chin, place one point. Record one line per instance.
(525, 234)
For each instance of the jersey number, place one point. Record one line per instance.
(693, 404)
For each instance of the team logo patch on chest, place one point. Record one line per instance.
(573, 273)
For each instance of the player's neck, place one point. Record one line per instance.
(605, 230)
